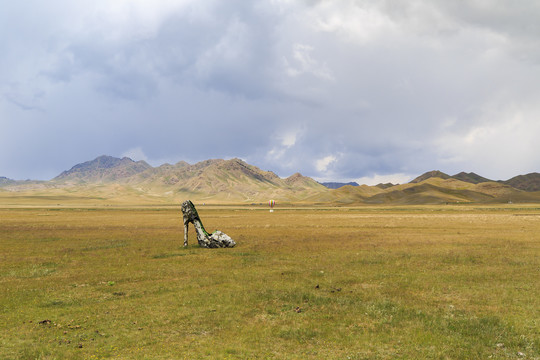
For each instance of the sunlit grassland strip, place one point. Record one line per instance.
(320, 283)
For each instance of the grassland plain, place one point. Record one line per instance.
(416, 282)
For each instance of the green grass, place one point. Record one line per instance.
(359, 283)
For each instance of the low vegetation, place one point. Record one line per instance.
(424, 282)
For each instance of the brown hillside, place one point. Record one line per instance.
(225, 180)
(103, 169)
(529, 182)
(470, 177)
(430, 174)
(428, 193)
(114, 180)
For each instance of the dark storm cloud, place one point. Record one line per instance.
(335, 89)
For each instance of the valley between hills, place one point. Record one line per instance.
(114, 181)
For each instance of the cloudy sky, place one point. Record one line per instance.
(338, 90)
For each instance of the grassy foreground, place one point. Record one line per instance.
(358, 283)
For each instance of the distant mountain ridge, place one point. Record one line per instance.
(470, 177)
(337, 185)
(103, 168)
(384, 186)
(218, 179)
(529, 182)
(5, 181)
(108, 178)
(430, 174)
(434, 190)
(436, 187)
(462, 176)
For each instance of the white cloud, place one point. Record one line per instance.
(352, 21)
(231, 50)
(121, 19)
(289, 139)
(376, 179)
(339, 89)
(305, 63)
(323, 163)
(500, 145)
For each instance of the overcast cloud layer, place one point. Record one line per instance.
(338, 90)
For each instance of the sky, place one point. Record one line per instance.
(342, 90)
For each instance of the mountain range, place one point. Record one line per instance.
(111, 179)
(337, 185)
(529, 182)
(213, 180)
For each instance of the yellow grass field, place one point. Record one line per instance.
(413, 282)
